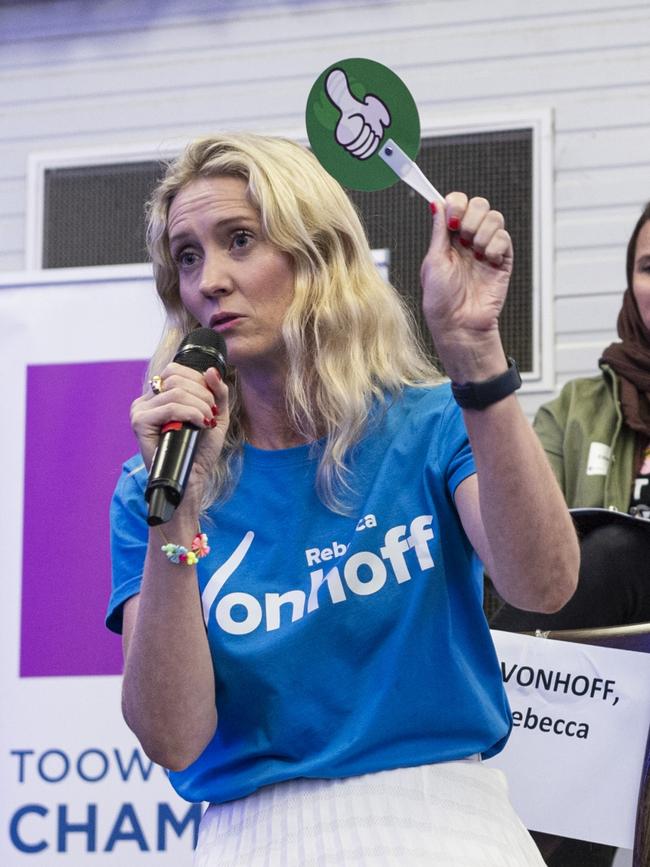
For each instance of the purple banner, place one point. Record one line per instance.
(77, 437)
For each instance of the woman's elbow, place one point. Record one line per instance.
(172, 759)
(562, 580)
(174, 755)
(546, 584)
(173, 750)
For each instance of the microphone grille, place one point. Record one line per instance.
(201, 349)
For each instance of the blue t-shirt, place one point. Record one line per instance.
(341, 644)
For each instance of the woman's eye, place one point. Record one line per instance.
(186, 258)
(241, 240)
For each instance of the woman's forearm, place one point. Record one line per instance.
(532, 546)
(168, 693)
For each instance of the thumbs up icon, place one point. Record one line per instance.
(360, 128)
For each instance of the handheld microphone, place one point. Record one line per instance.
(172, 461)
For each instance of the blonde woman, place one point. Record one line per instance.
(323, 676)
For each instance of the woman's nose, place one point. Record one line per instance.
(215, 276)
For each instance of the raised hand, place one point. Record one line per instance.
(360, 128)
(465, 276)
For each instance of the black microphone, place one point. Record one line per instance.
(172, 462)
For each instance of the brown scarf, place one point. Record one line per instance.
(630, 359)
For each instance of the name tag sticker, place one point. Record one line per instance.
(598, 460)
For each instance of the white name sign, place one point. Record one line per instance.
(581, 717)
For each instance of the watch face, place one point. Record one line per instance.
(478, 395)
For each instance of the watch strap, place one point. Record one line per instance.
(478, 395)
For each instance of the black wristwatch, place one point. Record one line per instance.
(478, 395)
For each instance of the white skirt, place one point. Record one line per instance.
(454, 814)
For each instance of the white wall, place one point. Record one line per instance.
(87, 74)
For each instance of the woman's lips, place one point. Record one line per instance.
(224, 322)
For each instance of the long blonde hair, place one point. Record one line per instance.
(348, 335)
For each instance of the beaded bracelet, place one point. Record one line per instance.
(186, 556)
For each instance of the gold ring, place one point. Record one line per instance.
(156, 384)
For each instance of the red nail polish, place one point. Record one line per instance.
(464, 242)
(207, 422)
(215, 410)
(495, 264)
(454, 224)
(213, 423)
(432, 208)
(478, 255)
